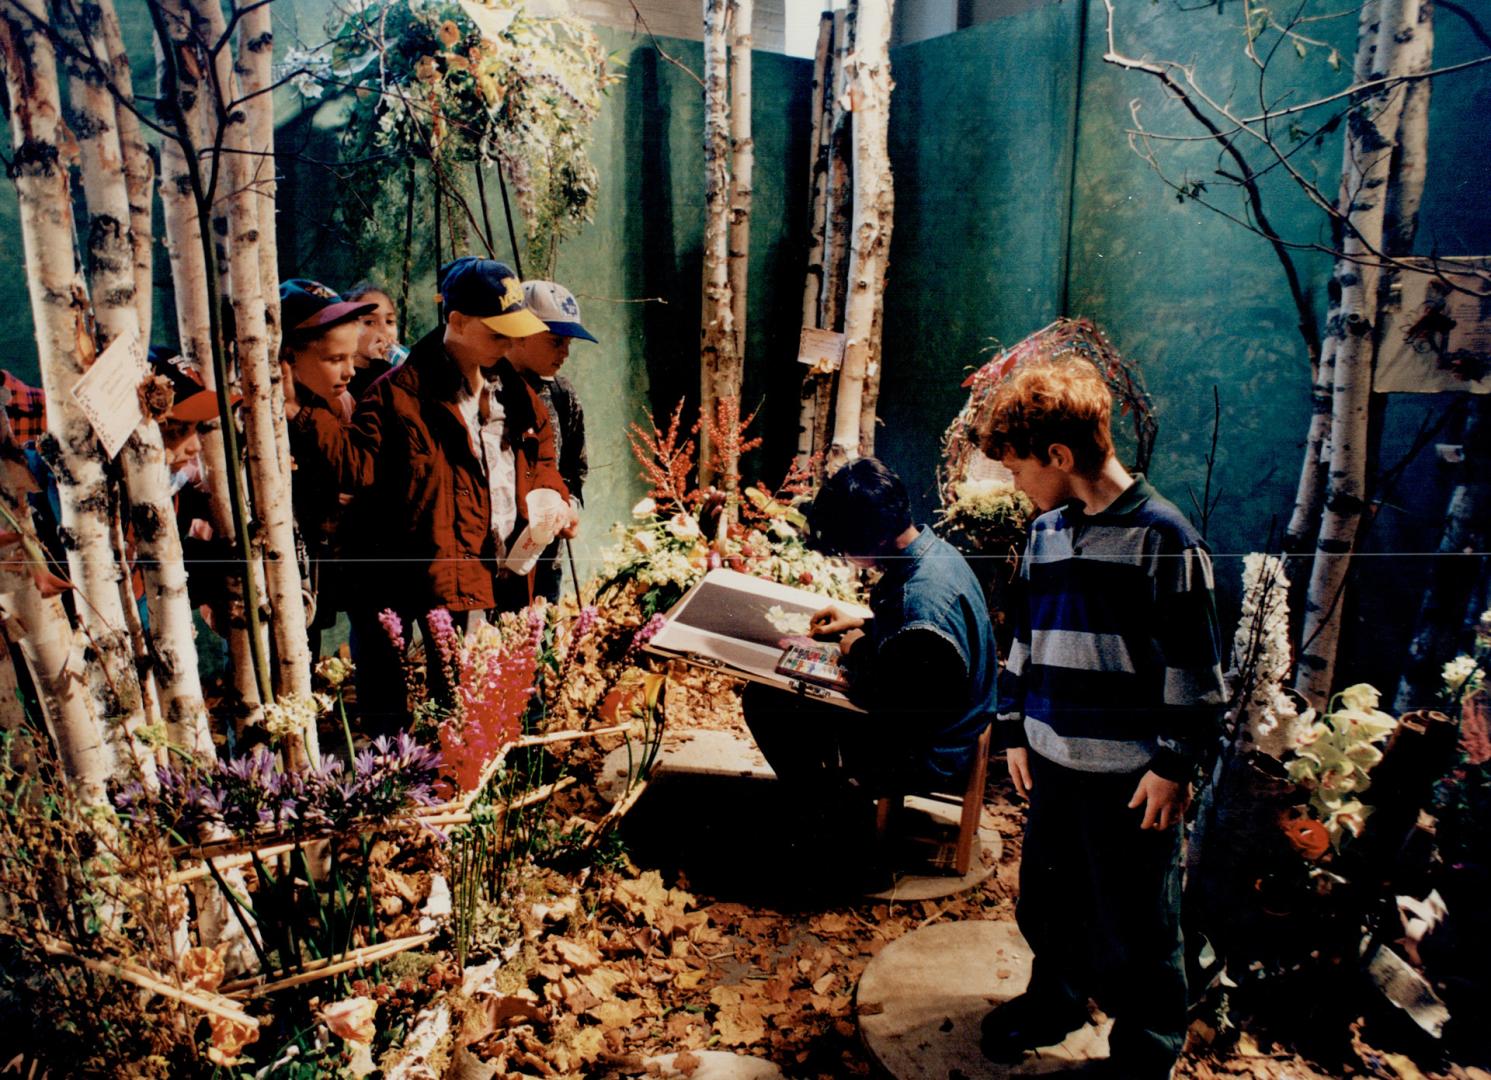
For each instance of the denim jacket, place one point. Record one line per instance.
(929, 589)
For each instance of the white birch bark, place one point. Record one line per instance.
(870, 87)
(1310, 491)
(139, 169)
(1411, 165)
(812, 293)
(194, 331)
(256, 77)
(840, 215)
(260, 374)
(718, 362)
(111, 250)
(742, 166)
(64, 350)
(1372, 137)
(53, 653)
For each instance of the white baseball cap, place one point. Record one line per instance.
(556, 306)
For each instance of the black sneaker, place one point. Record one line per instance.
(1024, 1023)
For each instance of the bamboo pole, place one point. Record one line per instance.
(870, 87)
(325, 969)
(719, 376)
(138, 975)
(59, 310)
(1372, 137)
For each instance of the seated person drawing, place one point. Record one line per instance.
(924, 667)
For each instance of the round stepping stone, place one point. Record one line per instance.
(920, 1003)
(924, 816)
(713, 1065)
(690, 752)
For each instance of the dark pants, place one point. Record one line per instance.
(832, 764)
(382, 696)
(1100, 906)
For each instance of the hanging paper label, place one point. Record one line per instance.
(109, 393)
(1435, 337)
(822, 350)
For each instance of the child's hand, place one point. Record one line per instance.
(833, 620)
(1019, 762)
(1164, 801)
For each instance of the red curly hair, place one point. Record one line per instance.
(1051, 401)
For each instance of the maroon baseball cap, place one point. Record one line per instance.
(309, 305)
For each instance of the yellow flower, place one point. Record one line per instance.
(449, 33)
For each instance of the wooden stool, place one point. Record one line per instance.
(973, 807)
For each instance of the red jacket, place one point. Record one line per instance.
(418, 533)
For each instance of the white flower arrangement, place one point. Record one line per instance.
(1462, 676)
(1335, 759)
(987, 510)
(1273, 723)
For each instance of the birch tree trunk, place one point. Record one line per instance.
(812, 293)
(64, 350)
(256, 78)
(139, 169)
(1372, 134)
(867, 417)
(870, 87)
(256, 75)
(52, 652)
(1305, 516)
(719, 365)
(742, 165)
(839, 213)
(189, 277)
(116, 306)
(260, 374)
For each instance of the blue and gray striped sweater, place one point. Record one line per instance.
(1116, 661)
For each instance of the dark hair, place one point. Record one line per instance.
(364, 288)
(859, 510)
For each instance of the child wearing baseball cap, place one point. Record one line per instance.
(538, 359)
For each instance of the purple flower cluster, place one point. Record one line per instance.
(585, 622)
(393, 626)
(443, 629)
(250, 793)
(648, 631)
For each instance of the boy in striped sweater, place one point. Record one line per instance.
(1108, 703)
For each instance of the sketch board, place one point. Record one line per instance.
(742, 624)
